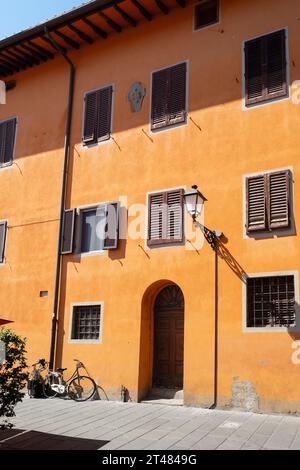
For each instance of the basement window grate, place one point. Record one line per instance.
(271, 302)
(86, 322)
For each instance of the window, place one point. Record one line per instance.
(271, 301)
(86, 322)
(97, 229)
(91, 229)
(268, 200)
(266, 68)
(97, 116)
(169, 91)
(165, 217)
(3, 229)
(7, 141)
(206, 13)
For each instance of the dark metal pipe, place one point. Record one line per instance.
(63, 194)
(216, 330)
(212, 239)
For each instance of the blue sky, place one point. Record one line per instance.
(16, 15)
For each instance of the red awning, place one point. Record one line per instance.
(4, 322)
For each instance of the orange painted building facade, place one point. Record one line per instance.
(220, 144)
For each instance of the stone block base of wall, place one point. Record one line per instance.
(243, 398)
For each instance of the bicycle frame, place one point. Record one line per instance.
(62, 385)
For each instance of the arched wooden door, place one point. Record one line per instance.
(168, 338)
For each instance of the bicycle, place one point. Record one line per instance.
(35, 382)
(78, 387)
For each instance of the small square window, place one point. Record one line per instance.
(271, 302)
(86, 322)
(206, 13)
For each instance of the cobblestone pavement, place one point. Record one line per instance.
(152, 426)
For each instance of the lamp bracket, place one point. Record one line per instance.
(209, 235)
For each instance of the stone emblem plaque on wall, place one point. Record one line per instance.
(136, 96)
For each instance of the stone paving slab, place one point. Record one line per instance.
(60, 424)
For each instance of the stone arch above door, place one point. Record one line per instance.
(169, 297)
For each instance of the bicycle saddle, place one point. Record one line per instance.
(60, 369)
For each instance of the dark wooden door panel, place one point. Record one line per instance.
(169, 340)
(179, 346)
(179, 323)
(163, 347)
(163, 371)
(168, 348)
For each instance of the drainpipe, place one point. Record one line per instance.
(63, 194)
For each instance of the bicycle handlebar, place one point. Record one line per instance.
(79, 363)
(43, 362)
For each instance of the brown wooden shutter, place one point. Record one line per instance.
(165, 217)
(68, 232)
(104, 107)
(2, 140)
(168, 96)
(160, 87)
(90, 117)
(174, 200)
(276, 84)
(3, 228)
(177, 94)
(112, 226)
(7, 141)
(156, 219)
(265, 68)
(254, 71)
(256, 203)
(279, 199)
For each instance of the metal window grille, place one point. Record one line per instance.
(271, 301)
(86, 322)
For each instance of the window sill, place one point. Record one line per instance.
(169, 127)
(208, 25)
(276, 233)
(91, 253)
(270, 329)
(6, 165)
(95, 144)
(84, 341)
(247, 107)
(155, 246)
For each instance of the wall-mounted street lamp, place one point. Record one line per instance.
(194, 202)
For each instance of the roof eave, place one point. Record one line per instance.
(55, 22)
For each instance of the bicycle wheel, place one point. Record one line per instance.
(81, 388)
(47, 390)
